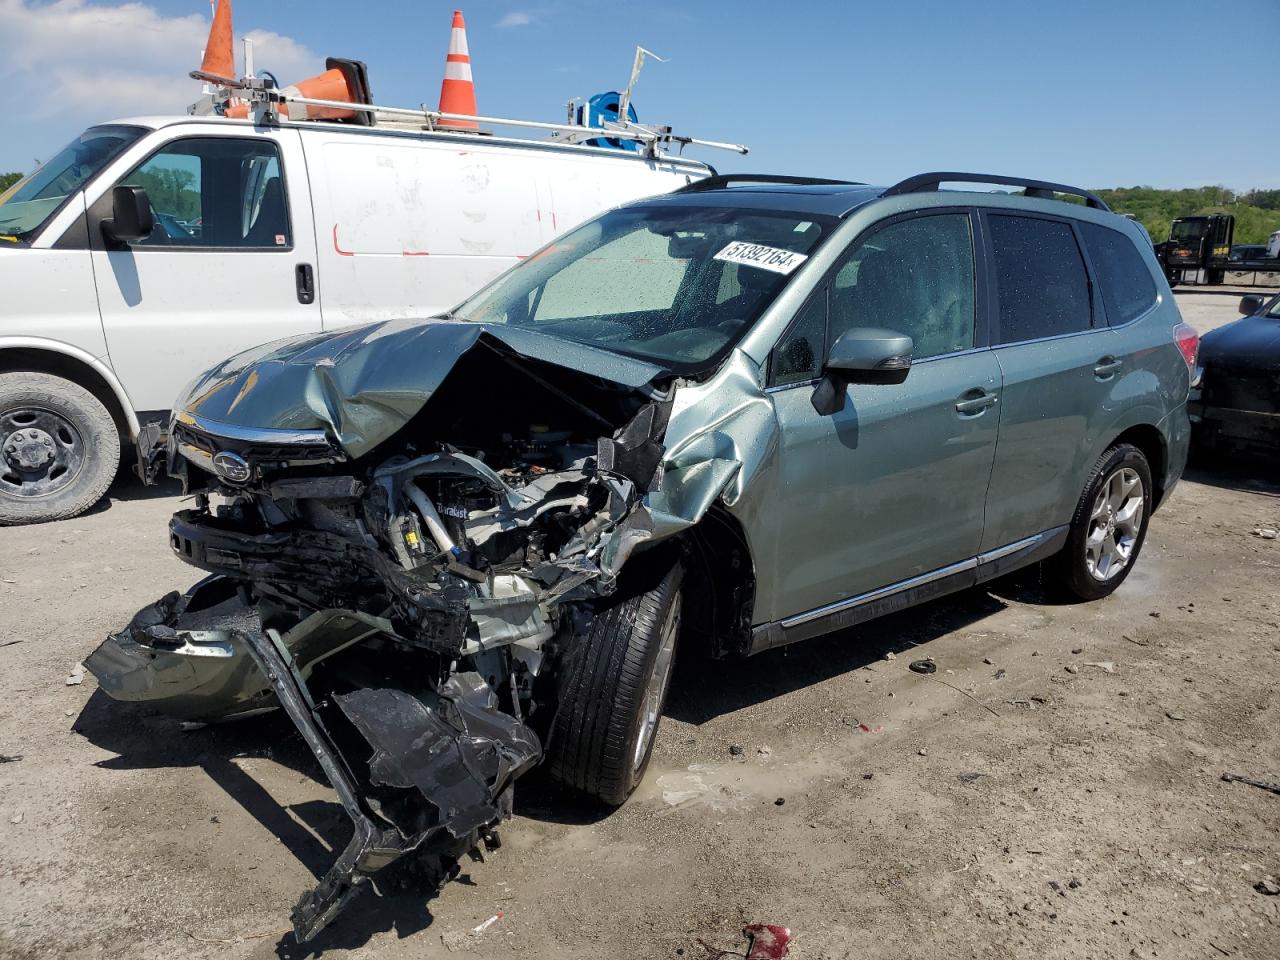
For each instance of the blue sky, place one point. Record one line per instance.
(1095, 93)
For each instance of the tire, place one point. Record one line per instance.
(613, 688)
(59, 448)
(1082, 569)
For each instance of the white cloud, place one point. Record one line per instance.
(516, 18)
(78, 61)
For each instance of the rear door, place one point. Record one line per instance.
(1059, 362)
(230, 263)
(893, 485)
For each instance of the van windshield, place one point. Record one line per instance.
(678, 284)
(28, 204)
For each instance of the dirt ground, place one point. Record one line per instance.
(1052, 791)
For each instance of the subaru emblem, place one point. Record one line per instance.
(232, 467)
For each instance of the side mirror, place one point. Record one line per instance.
(131, 217)
(861, 355)
(1250, 304)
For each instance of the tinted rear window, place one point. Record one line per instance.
(1043, 287)
(1127, 288)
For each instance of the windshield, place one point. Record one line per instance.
(1191, 229)
(1275, 309)
(677, 285)
(28, 204)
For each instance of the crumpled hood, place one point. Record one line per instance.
(362, 384)
(1249, 341)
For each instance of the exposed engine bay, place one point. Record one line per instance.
(410, 606)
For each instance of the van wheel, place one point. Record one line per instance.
(1109, 525)
(59, 448)
(613, 690)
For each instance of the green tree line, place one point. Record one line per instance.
(1257, 212)
(7, 180)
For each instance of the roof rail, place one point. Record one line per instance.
(724, 179)
(928, 182)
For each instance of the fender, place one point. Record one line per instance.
(89, 360)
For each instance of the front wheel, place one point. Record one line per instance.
(613, 688)
(59, 448)
(1109, 525)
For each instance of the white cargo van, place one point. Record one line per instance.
(149, 249)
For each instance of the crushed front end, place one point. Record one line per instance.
(401, 591)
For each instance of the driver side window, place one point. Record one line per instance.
(914, 277)
(215, 192)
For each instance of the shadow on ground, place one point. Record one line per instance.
(704, 689)
(127, 488)
(1235, 470)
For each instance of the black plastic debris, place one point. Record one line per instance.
(924, 666)
(1261, 784)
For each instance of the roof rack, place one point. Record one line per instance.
(724, 179)
(1042, 189)
(264, 100)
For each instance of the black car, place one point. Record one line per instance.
(1238, 400)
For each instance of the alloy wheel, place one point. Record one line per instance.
(1114, 524)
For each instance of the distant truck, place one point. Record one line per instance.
(1200, 251)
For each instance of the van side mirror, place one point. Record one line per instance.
(1250, 304)
(131, 217)
(861, 355)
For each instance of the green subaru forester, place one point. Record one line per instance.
(750, 412)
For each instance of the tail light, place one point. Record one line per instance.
(1188, 342)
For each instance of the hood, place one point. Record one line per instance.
(361, 385)
(1249, 342)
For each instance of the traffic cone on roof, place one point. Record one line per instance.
(219, 65)
(458, 92)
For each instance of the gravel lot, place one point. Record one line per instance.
(1053, 790)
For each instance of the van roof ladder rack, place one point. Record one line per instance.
(655, 140)
(724, 179)
(1044, 190)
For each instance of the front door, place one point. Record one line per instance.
(893, 485)
(229, 265)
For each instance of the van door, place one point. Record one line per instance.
(229, 264)
(411, 227)
(1059, 362)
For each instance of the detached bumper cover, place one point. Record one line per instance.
(423, 769)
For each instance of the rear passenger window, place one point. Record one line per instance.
(1127, 288)
(1043, 286)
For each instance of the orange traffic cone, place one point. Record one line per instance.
(458, 92)
(219, 64)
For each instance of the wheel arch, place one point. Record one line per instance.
(1155, 447)
(722, 577)
(38, 355)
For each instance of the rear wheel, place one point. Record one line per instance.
(613, 688)
(1109, 525)
(59, 448)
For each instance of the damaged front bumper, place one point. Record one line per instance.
(418, 769)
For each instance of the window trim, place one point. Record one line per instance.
(981, 320)
(1095, 299)
(101, 208)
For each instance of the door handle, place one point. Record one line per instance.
(1106, 366)
(306, 281)
(975, 401)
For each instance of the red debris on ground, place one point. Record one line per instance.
(768, 941)
(865, 729)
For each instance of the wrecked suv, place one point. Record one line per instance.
(750, 412)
